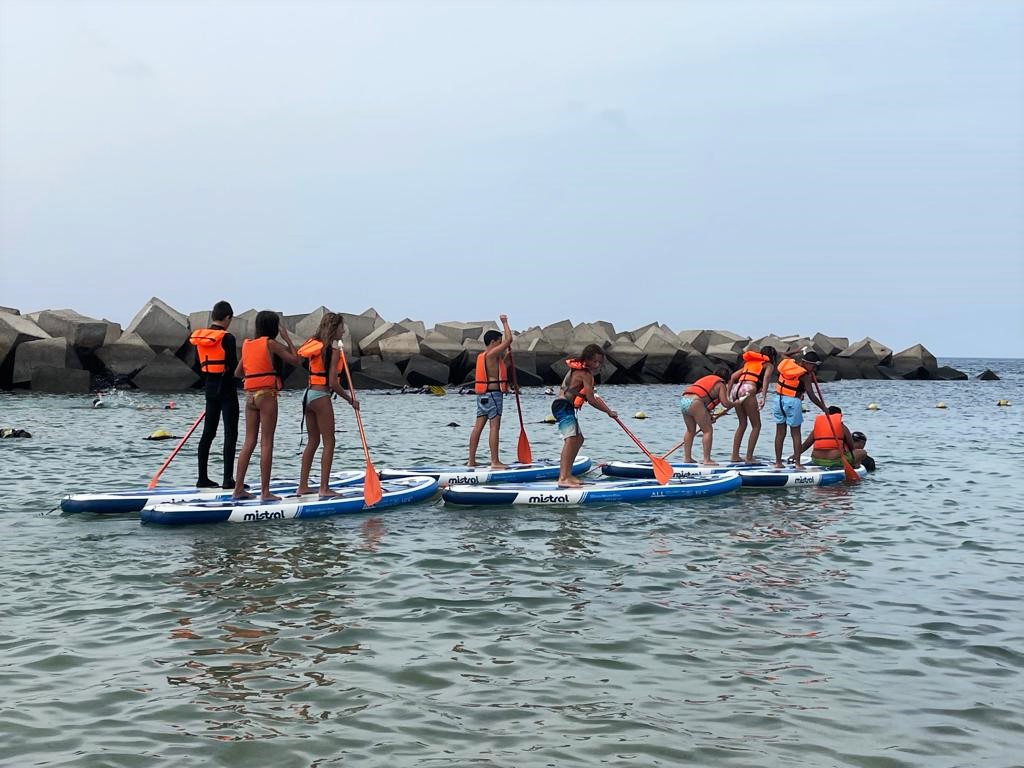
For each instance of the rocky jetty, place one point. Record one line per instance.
(63, 351)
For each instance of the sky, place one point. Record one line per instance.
(783, 166)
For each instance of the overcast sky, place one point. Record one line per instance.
(759, 166)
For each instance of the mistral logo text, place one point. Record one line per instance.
(549, 498)
(251, 517)
(464, 481)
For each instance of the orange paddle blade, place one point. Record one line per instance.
(662, 470)
(524, 454)
(850, 472)
(372, 492)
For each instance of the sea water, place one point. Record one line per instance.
(880, 624)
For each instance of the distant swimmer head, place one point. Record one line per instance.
(169, 406)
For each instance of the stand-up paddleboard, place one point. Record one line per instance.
(599, 492)
(403, 491)
(679, 470)
(516, 473)
(794, 478)
(135, 500)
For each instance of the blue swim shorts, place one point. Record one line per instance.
(489, 404)
(565, 417)
(787, 410)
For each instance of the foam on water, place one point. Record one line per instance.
(876, 625)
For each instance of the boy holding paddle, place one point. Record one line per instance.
(577, 389)
(490, 385)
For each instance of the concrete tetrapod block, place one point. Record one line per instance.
(399, 348)
(423, 371)
(587, 333)
(360, 326)
(458, 331)
(839, 368)
(166, 373)
(371, 344)
(724, 339)
(692, 368)
(162, 326)
(827, 346)
(372, 314)
(441, 348)
(559, 336)
(771, 340)
(80, 331)
(54, 353)
(988, 375)
(526, 369)
(627, 355)
(48, 378)
(664, 352)
(10, 310)
(914, 357)
(130, 353)
(113, 333)
(946, 373)
(374, 373)
(698, 339)
(15, 330)
(725, 353)
(305, 326)
(416, 326)
(867, 350)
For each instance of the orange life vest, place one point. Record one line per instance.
(789, 379)
(702, 388)
(753, 367)
(257, 365)
(313, 350)
(823, 435)
(481, 383)
(575, 365)
(209, 344)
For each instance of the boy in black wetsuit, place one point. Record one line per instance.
(218, 356)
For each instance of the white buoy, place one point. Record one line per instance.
(639, 415)
(872, 406)
(941, 405)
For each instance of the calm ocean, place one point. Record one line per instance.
(877, 625)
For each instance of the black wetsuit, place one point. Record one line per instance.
(221, 401)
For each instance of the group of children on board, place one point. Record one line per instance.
(259, 363)
(259, 367)
(746, 390)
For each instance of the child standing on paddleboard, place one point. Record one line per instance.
(261, 382)
(698, 401)
(325, 366)
(751, 379)
(577, 388)
(490, 385)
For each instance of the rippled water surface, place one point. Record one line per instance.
(877, 625)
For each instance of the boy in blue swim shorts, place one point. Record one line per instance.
(787, 402)
(576, 390)
(490, 385)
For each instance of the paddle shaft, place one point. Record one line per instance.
(156, 477)
(371, 485)
(525, 455)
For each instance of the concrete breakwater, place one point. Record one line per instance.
(63, 351)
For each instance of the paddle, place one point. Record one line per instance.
(524, 454)
(156, 477)
(662, 469)
(699, 432)
(372, 492)
(848, 471)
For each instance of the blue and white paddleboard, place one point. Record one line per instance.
(516, 473)
(137, 499)
(679, 469)
(794, 478)
(599, 492)
(402, 491)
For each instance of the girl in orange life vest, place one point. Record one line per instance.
(755, 374)
(697, 402)
(576, 390)
(324, 368)
(261, 383)
(825, 450)
(490, 384)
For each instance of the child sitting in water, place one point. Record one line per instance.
(577, 389)
(261, 382)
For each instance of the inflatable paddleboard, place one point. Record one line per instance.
(516, 473)
(599, 492)
(794, 478)
(135, 500)
(679, 469)
(402, 491)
